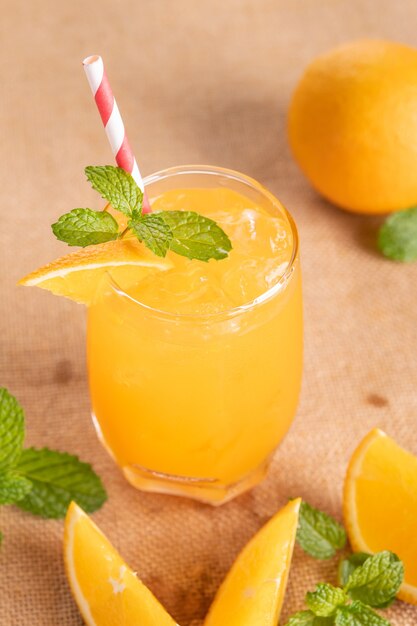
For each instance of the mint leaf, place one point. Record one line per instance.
(319, 534)
(58, 478)
(13, 487)
(325, 599)
(377, 581)
(116, 186)
(357, 614)
(307, 618)
(84, 227)
(153, 231)
(195, 236)
(348, 564)
(185, 232)
(397, 237)
(12, 429)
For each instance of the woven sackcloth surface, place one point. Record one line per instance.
(197, 82)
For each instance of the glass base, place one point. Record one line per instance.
(209, 491)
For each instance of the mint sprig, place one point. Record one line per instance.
(186, 233)
(397, 238)
(373, 584)
(44, 481)
(318, 533)
(366, 581)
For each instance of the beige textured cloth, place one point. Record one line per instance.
(197, 82)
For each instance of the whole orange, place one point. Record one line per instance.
(353, 126)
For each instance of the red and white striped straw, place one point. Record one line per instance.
(112, 120)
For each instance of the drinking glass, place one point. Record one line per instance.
(196, 404)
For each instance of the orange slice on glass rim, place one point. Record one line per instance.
(105, 589)
(380, 503)
(253, 591)
(77, 275)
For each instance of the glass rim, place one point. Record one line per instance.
(264, 297)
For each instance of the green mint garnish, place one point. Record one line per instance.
(307, 618)
(12, 429)
(369, 582)
(397, 237)
(13, 487)
(325, 600)
(377, 581)
(348, 564)
(358, 614)
(84, 227)
(184, 232)
(42, 482)
(318, 533)
(117, 187)
(57, 478)
(153, 231)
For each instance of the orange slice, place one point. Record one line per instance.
(77, 275)
(105, 588)
(380, 503)
(253, 591)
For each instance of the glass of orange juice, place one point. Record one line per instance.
(195, 371)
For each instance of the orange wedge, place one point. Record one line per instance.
(77, 275)
(106, 590)
(253, 591)
(380, 503)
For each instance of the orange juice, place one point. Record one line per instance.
(195, 371)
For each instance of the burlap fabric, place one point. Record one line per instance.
(197, 82)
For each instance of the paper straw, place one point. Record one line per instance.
(112, 121)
